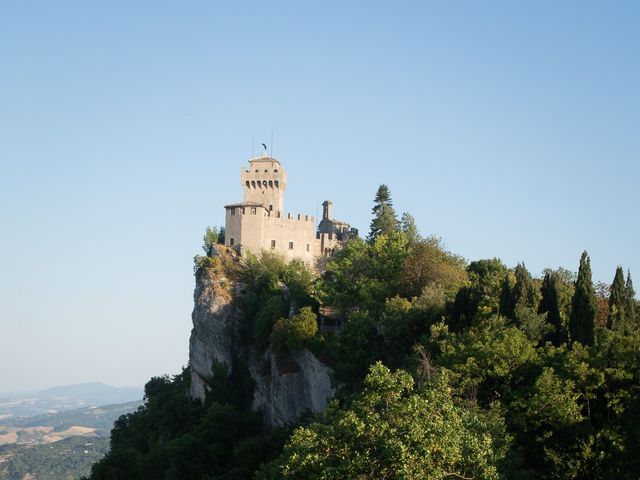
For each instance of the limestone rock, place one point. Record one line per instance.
(284, 396)
(214, 320)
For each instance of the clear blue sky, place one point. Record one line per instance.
(510, 129)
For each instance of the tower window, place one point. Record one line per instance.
(307, 247)
(277, 184)
(273, 244)
(233, 211)
(247, 183)
(253, 210)
(231, 241)
(290, 245)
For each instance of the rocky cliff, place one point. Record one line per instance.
(282, 394)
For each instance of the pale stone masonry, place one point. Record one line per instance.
(259, 224)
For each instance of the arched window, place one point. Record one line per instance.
(253, 183)
(277, 184)
(270, 184)
(247, 183)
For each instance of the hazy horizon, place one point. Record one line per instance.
(510, 130)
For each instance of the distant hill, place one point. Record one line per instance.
(95, 393)
(64, 398)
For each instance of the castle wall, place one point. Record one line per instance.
(256, 230)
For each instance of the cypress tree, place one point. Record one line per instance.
(505, 298)
(617, 301)
(384, 217)
(523, 295)
(550, 303)
(630, 303)
(583, 305)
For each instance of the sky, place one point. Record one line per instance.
(509, 129)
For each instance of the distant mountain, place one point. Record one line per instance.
(64, 398)
(94, 393)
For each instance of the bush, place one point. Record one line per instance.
(293, 333)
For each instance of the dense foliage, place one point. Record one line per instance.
(174, 438)
(444, 370)
(67, 459)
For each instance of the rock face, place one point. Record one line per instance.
(282, 395)
(214, 328)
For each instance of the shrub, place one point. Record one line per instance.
(293, 333)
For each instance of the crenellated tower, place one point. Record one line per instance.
(264, 182)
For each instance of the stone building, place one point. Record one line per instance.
(259, 223)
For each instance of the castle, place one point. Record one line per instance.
(259, 224)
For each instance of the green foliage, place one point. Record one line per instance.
(428, 265)
(293, 333)
(391, 431)
(481, 297)
(212, 236)
(66, 459)
(617, 301)
(205, 262)
(409, 228)
(364, 275)
(384, 216)
(583, 309)
(487, 360)
(631, 305)
(174, 438)
(274, 287)
(550, 304)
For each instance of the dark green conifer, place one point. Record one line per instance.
(523, 295)
(583, 305)
(505, 298)
(384, 216)
(617, 301)
(631, 314)
(550, 303)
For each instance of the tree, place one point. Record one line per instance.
(430, 264)
(409, 227)
(617, 301)
(481, 297)
(394, 432)
(550, 304)
(630, 303)
(583, 305)
(212, 235)
(384, 216)
(292, 333)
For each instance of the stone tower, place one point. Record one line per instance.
(264, 182)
